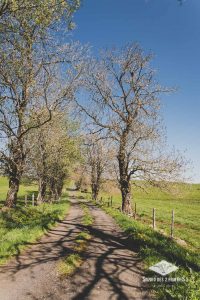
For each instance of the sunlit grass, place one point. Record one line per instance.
(68, 265)
(21, 225)
(184, 199)
(81, 241)
(25, 188)
(153, 247)
(87, 217)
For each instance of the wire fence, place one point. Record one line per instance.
(134, 215)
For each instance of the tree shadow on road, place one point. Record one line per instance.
(109, 258)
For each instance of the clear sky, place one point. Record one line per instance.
(172, 32)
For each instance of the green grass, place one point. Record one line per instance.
(68, 265)
(154, 247)
(184, 199)
(21, 225)
(26, 188)
(82, 241)
(87, 217)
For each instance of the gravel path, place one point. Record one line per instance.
(32, 274)
(111, 269)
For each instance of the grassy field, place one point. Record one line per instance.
(24, 225)
(24, 189)
(185, 200)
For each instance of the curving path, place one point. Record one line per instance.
(111, 269)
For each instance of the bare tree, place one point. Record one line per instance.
(124, 103)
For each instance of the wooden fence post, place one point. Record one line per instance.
(108, 202)
(135, 211)
(154, 218)
(172, 225)
(33, 199)
(25, 200)
(111, 202)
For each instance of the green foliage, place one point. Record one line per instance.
(153, 247)
(55, 148)
(38, 14)
(30, 81)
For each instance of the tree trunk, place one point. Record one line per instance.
(14, 171)
(78, 184)
(53, 191)
(124, 178)
(41, 191)
(95, 181)
(126, 197)
(95, 191)
(60, 187)
(60, 184)
(11, 198)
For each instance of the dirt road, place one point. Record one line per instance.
(111, 269)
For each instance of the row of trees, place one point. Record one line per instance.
(53, 150)
(36, 79)
(122, 108)
(115, 95)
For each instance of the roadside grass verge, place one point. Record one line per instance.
(154, 247)
(68, 265)
(24, 225)
(185, 202)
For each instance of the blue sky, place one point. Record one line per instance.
(172, 32)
